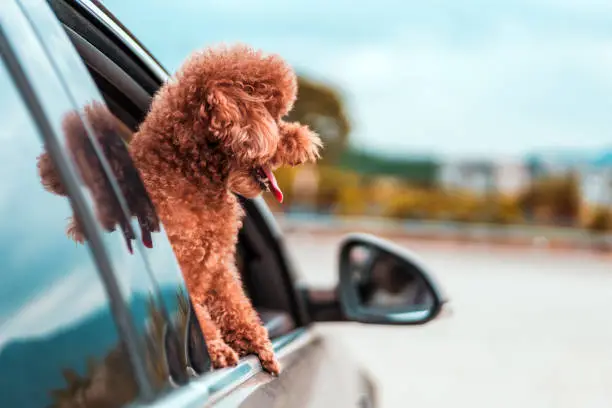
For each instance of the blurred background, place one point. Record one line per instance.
(442, 117)
(476, 133)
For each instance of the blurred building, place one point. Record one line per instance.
(474, 176)
(511, 178)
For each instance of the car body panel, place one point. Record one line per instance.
(317, 372)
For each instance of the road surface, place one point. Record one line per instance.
(528, 329)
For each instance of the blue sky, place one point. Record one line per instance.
(458, 79)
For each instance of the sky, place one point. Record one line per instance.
(458, 79)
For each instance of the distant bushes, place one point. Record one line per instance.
(553, 201)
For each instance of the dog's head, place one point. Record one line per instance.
(241, 96)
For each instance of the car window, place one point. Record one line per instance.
(141, 228)
(56, 327)
(102, 225)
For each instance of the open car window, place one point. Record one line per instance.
(127, 91)
(276, 321)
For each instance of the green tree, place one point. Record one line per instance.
(420, 171)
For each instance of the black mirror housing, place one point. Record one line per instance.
(383, 283)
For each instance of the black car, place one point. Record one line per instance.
(107, 324)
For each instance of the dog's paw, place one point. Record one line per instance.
(221, 355)
(268, 361)
(272, 366)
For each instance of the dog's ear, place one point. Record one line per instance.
(298, 144)
(241, 122)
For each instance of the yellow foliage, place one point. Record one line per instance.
(601, 221)
(347, 193)
(351, 200)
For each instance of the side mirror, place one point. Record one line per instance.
(383, 283)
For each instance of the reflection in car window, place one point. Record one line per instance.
(108, 131)
(58, 341)
(133, 216)
(92, 138)
(110, 137)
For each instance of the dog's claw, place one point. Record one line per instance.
(268, 362)
(272, 367)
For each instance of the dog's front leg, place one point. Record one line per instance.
(240, 324)
(198, 283)
(221, 354)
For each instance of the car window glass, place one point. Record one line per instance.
(141, 317)
(123, 204)
(57, 333)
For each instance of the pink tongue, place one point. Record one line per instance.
(278, 194)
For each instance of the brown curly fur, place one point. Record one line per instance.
(208, 127)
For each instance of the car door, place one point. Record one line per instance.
(63, 319)
(314, 372)
(145, 348)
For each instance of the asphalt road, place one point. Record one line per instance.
(528, 329)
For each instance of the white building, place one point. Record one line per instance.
(478, 177)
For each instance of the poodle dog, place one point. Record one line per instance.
(214, 130)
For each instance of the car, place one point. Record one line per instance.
(110, 323)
